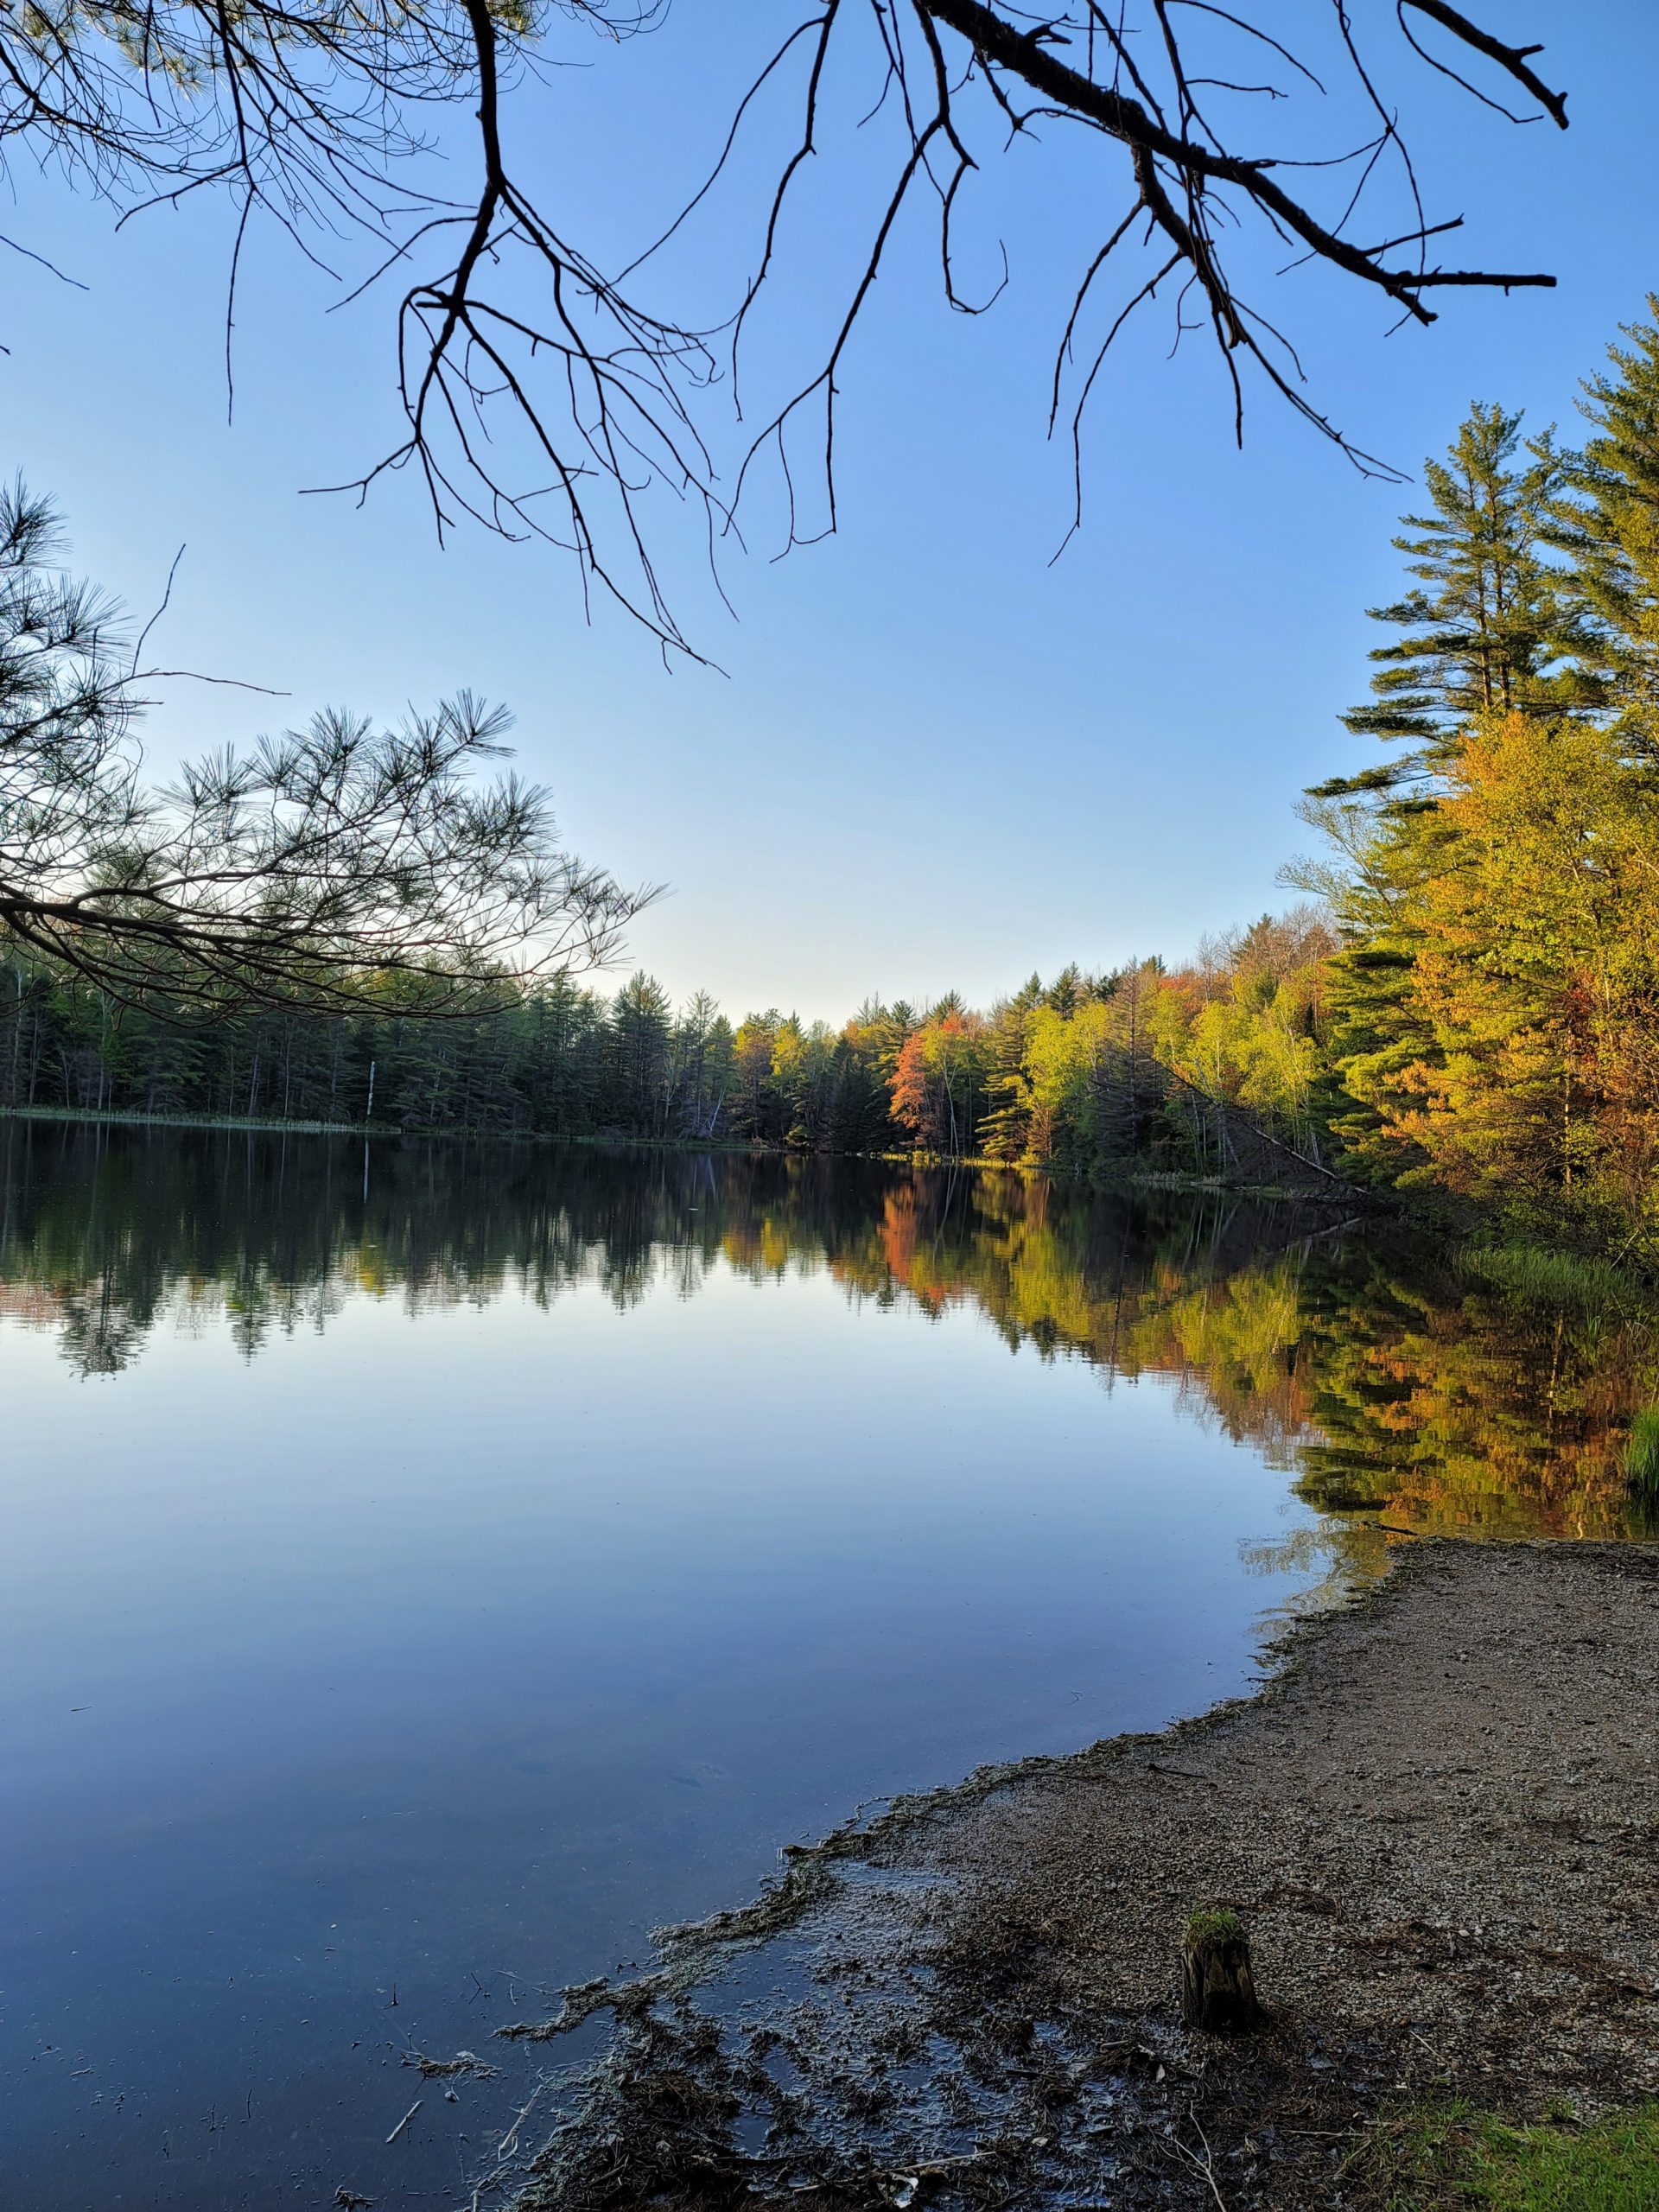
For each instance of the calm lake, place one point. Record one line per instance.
(429, 1568)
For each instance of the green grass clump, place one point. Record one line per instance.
(1215, 1925)
(1467, 2160)
(1641, 1454)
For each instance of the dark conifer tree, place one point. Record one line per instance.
(1007, 1124)
(1067, 990)
(641, 1031)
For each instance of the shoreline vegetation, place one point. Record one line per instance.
(1441, 1870)
(1328, 1191)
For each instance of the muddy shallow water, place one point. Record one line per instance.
(427, 1570)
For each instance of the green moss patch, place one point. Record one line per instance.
(1214, 1924)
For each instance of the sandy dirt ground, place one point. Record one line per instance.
(1440, 1826)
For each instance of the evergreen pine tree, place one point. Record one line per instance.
(1607, 524)
(1007, 1124)
(641, 1027)
(1066, 992)
(1485, 627)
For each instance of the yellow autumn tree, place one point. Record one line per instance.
(1538, 974)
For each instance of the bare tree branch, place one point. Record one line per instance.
(545, 398)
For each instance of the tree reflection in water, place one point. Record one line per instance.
(1398, 1386)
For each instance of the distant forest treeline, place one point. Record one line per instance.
(1085, 1071)
(1470, 1004)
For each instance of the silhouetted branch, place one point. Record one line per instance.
(543, 398)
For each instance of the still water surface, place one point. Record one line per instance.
(427, 1569)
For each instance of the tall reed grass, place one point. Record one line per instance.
(1540, 1274)
(1641, 1456)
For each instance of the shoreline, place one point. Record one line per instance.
(1333, 1193)
(1436, 1818)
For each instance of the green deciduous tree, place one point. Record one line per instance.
(1538, 971)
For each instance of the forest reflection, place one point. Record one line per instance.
(1397, 1388)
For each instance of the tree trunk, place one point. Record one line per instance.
(1217, 1989)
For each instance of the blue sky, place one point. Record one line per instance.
(933, 760)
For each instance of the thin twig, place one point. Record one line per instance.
(404, 2121)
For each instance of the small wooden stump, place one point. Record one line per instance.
(1217, 1989)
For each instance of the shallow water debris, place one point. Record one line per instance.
(464, 2062)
